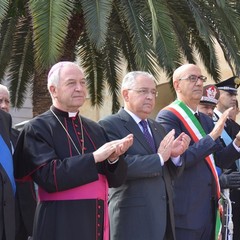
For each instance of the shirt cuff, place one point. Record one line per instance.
(236, 147)
(177, 161)
(161, 159)
(113, 162)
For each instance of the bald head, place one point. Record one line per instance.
(184, 70)
(188, 84)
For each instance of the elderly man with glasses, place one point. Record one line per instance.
(197, 190)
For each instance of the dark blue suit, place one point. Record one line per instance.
(195, 191)
(139, 209)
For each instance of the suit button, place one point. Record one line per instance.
(164, 197)
(4, 203)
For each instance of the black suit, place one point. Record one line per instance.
(140, 208)
(7, 202)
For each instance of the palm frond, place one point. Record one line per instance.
(182, 27)
(4, 9)
(21, 66)
(96, 15)
(118, 29)
(92, 63)
(7, 31)
(167, 48)
(204, 50)
(136, 25)
(50, 22)
(228, 35)
(113, 71)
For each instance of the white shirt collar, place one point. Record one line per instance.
(217, 112)
(134, 116)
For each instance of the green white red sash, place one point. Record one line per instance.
(196, 132)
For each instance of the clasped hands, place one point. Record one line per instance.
(171, 147)
(112, 150)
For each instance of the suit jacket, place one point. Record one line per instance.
(195, 189)
(139, 209)
(7, 202)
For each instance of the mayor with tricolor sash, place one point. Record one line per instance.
(197, 190)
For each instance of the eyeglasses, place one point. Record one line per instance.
(145, 91)
(194, 78)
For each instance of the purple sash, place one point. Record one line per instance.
(94, 190)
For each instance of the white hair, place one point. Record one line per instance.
(54, 73)
(4, 89)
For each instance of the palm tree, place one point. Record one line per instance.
(103, 34)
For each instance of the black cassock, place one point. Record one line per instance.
(46, 153)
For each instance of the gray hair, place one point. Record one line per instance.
(54, 73)
(129, 79)
(4, 89)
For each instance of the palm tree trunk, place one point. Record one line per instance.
(40, 92)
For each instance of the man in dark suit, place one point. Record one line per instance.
(25, 194)
(7, 184)
(228, 97)
(197, 190)
(142, 207)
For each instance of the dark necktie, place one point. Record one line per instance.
(197, 117)
(147, 135)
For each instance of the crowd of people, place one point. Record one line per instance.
(127, 177)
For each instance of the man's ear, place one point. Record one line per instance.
(176, 86)
(125, 95)
(52, 90)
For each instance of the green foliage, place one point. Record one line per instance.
(145, 35)
(3, 9)
(50, 25)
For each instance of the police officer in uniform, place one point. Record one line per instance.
(228, 95)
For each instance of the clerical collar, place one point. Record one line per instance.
(72, 114)
(63, 113)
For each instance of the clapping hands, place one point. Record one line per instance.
(171, 147)
(112, 150)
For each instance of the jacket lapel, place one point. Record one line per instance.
(158, 132)
(133, 128)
